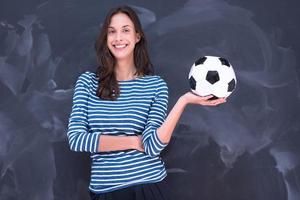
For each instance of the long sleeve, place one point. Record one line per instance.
(157, 114)
(80, 139)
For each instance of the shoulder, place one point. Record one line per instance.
(158, 80)
(86, 77)
(158, 83)
(162, 84)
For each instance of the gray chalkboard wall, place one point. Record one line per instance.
(246, 149)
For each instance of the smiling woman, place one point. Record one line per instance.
(116, 112)
(119, 112)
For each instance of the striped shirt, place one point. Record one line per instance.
(139, 110)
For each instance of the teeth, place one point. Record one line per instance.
(120, 46)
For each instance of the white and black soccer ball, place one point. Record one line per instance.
(211, 75)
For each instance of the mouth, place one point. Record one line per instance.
(123, 46)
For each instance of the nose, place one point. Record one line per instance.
(119, 36)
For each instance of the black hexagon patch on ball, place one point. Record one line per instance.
(200, 61)
(212, 77)
(231, 85)
(192, 82)
(224, 62)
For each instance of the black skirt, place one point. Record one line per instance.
(150, 191)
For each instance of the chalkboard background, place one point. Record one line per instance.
(246, 149)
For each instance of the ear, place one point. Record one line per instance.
(138, 37)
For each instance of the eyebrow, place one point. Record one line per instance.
(122, 26)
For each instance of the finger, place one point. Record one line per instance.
(223, 100)
(213, 102)
(207, 97)
(220, 102)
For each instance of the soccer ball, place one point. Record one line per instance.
(212, 75)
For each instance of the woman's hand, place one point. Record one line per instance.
(191, 98)
(138, 143)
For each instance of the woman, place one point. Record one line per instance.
(119, 114)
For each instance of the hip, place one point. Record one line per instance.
(157, 190)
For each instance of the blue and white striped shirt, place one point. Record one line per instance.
(139, 110)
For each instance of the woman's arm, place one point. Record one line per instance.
(115, 143)
(165, 131)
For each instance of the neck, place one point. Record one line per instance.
(125, 70)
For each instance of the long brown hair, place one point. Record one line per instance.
(108, 87)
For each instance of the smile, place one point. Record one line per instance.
(120, 46)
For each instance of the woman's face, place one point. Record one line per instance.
(121, 36)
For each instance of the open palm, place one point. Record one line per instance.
(192, 98)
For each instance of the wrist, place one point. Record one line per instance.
(183, 100)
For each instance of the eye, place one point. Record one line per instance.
(126, 30)
(111, 31)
